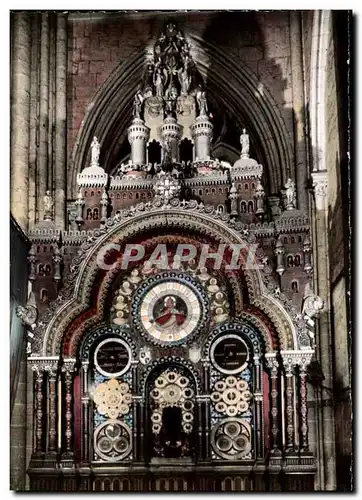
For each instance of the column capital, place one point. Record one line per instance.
(294, 358)
(320, 187)
(41, 364)
(271, 361)
(69, 365)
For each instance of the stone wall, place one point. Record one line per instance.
(18, 386)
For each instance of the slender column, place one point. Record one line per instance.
(20, 114)
(142, 429)
(33, 123)
(68, 453)
(39, 416)
(85, 413)
(289, 365)
(258, 397)
(52, 397)
(61, 122)
(297, 74)
(323, 333)
(42, 168)
(303, 419)
(273, 365)
(207, 409)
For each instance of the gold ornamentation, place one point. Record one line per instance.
(112, 398)
(231, 396)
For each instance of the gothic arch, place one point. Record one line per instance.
(110, 109)
(77, 295)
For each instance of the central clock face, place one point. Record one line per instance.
(229, 354)
(169, 310)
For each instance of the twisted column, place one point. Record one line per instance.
(289, 363)
(39, 417)
(85, 413)
(303, 411)
(52, 398)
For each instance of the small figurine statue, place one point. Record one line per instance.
(184, 79)
(48, 206)
(290, 194)
(312, 305)
(201, 100)
(137, 105)
(159, 81)
(95, 147)
(244, 141)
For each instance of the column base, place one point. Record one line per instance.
(67, 461)
(37, 460)
(50, 460)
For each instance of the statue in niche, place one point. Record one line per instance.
(201, 100)
(290, 194)
(244, 141)
(95, 148)
(159, 81)
(184, 78)
(48, 206)
(137, 105)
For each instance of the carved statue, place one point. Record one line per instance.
(137, 105)
(148, 81)
(28, 316)
(312, 304)
(159, 80)
(244, 141)
(290, 194)
(201, 100)
(48, 206)
(96, 148)
(184, 79)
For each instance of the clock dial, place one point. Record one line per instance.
(229, 354)
(112, 357)
(169, 310)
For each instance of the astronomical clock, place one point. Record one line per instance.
(173, 358)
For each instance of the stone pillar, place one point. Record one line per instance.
(296, 52)
(279, 252)
(60, 167)
(138, 135)
(273, 365)
(233, 197)
(68, 450)
(303, 421)
(202, 131)
(20, 114)
(33, 123)
(207, 409)
(42, 167)
(323, 333)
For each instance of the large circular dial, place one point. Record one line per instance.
(171, 309)
(229, 354)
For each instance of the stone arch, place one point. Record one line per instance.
(109, 114)
(76, 298)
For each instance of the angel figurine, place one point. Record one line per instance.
(201, 100)
(184, 79)
(159, 81)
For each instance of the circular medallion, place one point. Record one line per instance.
(229, 354)
(112, 357)
(170, 308)
(112, 440)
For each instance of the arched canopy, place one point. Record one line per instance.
(232, 87)
(81, 304)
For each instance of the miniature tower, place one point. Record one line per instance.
(202, 131)
(138, 135)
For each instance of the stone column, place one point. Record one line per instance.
(68, 451)
(301, 167)
(273, 366)
(60, 122)
(52, 398)
(42, 167)
(207, 409)
(323, 333)
(33, 123)
(202, 132)
(20, 114)
(303, 422)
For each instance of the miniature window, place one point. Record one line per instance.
(290, 261)
(95, 214)
(295, 287)
(297, 260)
